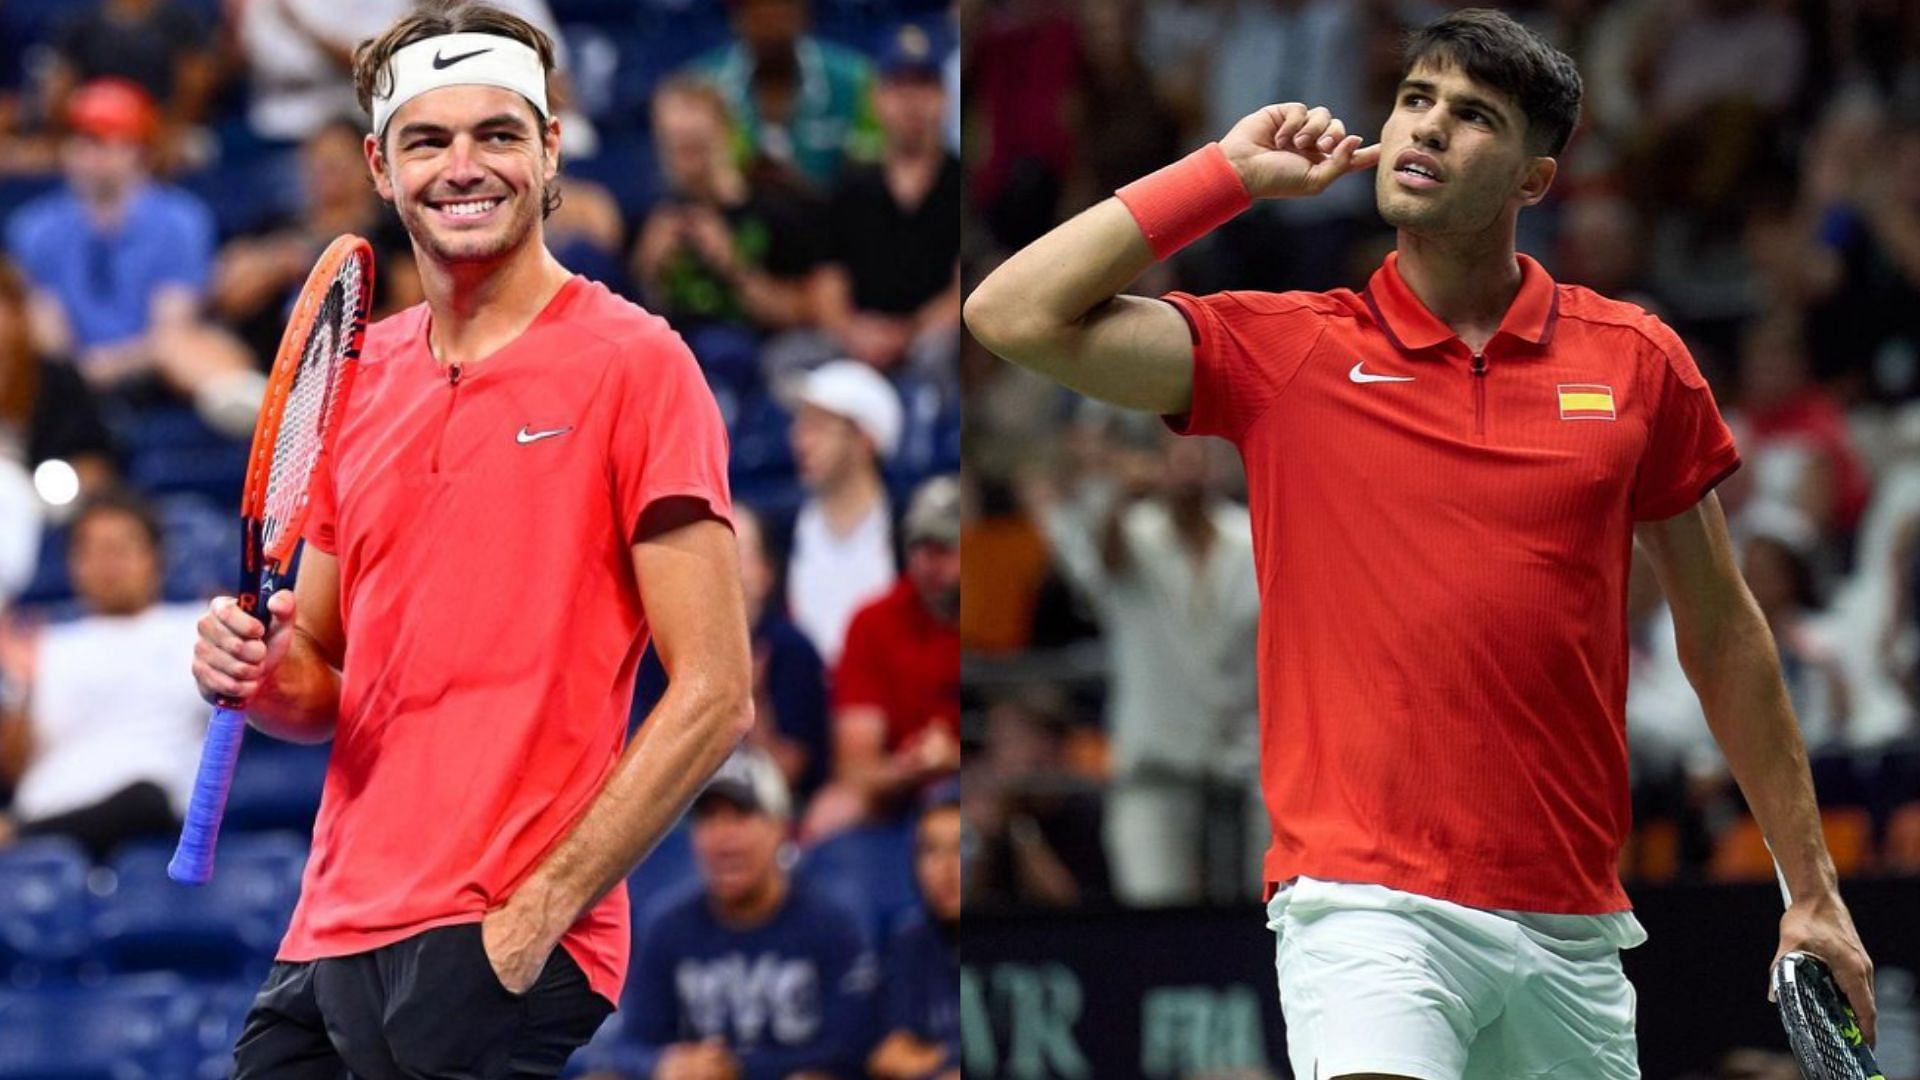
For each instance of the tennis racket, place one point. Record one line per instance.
(305, 393)
(1821, 1025)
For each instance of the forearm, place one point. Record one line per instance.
(1043, 291)
(301, 701)
(771, 301)
(1740, 688)
(693, 729)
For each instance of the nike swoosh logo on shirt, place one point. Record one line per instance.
(524, 436)
(441, 63)
(1360, 376)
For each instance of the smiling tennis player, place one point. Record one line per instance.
(1447, 472)
(532, 481)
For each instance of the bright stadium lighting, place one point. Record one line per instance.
(56, 482)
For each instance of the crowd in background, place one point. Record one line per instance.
(777, 178)
(1749, 170)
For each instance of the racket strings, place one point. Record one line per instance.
(311, 402)
(1810, 1009)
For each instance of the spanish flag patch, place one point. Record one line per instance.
(1586, 401)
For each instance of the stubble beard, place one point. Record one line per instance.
(448, 249)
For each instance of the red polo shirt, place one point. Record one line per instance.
(1442, 542)
(903, 660)
(493, 621)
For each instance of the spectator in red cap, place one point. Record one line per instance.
(120, 262)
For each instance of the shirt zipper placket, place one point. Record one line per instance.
(1480, 395)
(446, 420)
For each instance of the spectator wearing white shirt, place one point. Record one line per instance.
(102, 734)
(847, 419)
(1166, 565)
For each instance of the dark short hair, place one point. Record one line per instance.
(125, 503)
(1495, 50)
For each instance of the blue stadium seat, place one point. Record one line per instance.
(43, 909)
(223, 1012)
(203, 546)
(170, 451)
(227, 928)
(135, 1028)
(870, 867)
(49, 585)
(760, 441)
(17, 191)
(276, 786)
(929, 436)
(665, 875)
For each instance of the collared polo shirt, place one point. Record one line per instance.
(484, 529)
(1442, 542)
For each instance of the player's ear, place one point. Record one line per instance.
(551, 137)
(1537, 179)
(373, 147)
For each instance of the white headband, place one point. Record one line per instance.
(461, 60)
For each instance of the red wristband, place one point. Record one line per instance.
(1186, 200)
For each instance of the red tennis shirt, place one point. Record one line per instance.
(493, 622)
(1442, 543)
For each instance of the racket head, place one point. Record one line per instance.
(306, 389)
(1821, 1026)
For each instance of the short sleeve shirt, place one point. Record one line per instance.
(105, 281)
(493, 620)
(1442, 543)
(905, 661)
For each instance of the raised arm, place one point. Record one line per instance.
(1054, 306)
(1729, 657)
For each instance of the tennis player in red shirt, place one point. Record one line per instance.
(1447, 471)
(529, 483)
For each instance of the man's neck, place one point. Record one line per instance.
(107, 209)
(847, 505)
(1468, 282)
(479, 307)
(912, 170)
(756, 909)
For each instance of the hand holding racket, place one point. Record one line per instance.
(1829, 1038)
(305, 393)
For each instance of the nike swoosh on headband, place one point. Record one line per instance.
(441, 63)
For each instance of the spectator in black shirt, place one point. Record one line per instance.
(725, 256)
(159, 44)
(892, 297)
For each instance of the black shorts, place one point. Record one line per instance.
(426, 1007)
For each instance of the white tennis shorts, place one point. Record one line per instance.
(1374, 980)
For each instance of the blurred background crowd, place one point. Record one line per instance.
(1749, 170)
(780, 180)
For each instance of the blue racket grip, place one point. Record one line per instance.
(192, 862)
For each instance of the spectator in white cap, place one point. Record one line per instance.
(847, 419)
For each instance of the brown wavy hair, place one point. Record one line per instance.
(372, 58)
(19, 367)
